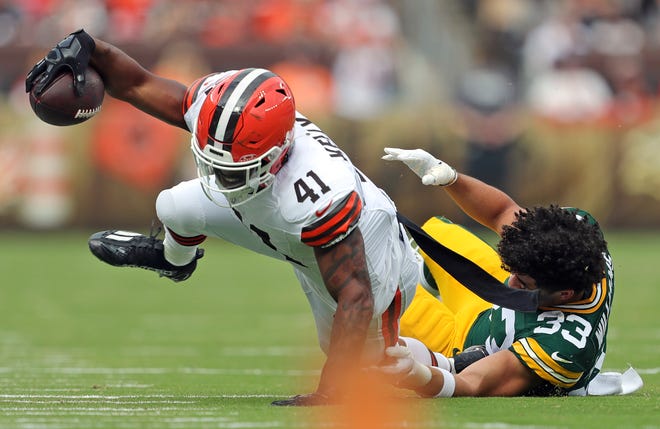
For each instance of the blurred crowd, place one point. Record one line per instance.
(501, 88)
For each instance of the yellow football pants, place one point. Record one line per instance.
(443, 324)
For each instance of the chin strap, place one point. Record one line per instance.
(470, 275)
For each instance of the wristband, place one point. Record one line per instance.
(448, 386)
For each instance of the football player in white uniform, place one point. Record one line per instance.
(271, 181)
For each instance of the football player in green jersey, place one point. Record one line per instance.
(559, 349)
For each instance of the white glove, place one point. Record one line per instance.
(431, 170)
(403, 370)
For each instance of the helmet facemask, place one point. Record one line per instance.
(238, 182)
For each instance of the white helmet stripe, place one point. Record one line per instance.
(233, 103)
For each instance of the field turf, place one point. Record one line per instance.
(84, 345)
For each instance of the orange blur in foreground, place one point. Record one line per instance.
(372, 404)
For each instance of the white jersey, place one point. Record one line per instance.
(317, 198)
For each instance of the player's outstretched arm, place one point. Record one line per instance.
(123, 77)
(484, 203)
(127, 80)
(499, 374)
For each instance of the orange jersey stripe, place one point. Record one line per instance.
(337, 223)
(390, 321)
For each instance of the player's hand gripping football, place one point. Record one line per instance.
(431, 170)
(72, 53)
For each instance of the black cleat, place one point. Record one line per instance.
(130, 249)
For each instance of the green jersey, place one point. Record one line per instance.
(564, 345)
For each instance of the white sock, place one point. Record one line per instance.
(175, 253)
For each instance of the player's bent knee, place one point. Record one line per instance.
(178, 211)
(165, 207)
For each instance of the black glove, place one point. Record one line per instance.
(468, 356)
(73, 53)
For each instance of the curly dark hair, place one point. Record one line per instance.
(556, 247)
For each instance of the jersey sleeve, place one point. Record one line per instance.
(557, 368)
(339, 220)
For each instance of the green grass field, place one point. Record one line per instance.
(84, 345)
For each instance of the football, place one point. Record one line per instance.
(59, 105)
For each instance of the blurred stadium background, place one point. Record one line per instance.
(553, 101)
